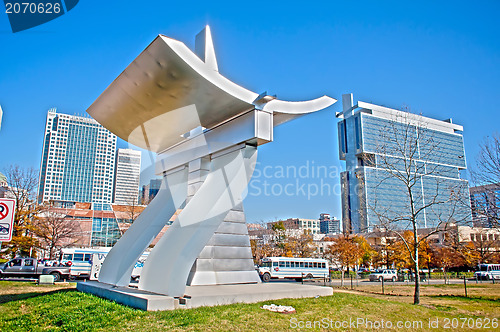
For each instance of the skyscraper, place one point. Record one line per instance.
(328, 225)
(78, 160)
(128, 167)
(376, 142)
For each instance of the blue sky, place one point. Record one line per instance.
(439, 58)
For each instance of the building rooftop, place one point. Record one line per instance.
(390, 113)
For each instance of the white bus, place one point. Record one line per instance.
(487, 271)
(294, 268)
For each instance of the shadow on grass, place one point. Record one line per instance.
(23, 296)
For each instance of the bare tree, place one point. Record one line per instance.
(486, 173)
(414, 189)
(54, 230)
(486, 247)
(22, 183)
(133, 209)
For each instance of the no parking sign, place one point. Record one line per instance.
(7, 208)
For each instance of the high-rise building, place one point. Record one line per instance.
(328, 225)
(375, 143)
(128, 168)
(78, 160)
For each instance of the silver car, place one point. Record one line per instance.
(385, 274)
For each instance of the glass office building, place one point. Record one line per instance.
(78, 160)
(328, 224)
(396, 161)
(105, 230)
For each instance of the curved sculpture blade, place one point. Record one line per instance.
(120, 261)
(167, 266)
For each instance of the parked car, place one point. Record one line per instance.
(385, 274)
(29, 267)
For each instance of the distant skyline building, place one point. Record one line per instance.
(370, 194)
(127, 172)
(311, 226)
(5, 191)
(3, 180)
(78, 160)
(150, 190)
(328, 225)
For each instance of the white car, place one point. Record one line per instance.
(385, 274)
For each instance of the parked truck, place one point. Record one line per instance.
(30, 268)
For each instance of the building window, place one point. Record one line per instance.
(343, 137)
(357, 127)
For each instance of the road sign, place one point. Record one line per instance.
(7, 208)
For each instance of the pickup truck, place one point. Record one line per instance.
(385, 274)
(29, 267)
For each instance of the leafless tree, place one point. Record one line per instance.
(133, 209)
(486, 246)
(54, 230)
(414, 190)
(486, 172)
(22, 183)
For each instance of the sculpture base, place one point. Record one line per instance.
(202, 296)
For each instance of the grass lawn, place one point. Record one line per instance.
(26, 306)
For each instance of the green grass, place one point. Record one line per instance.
(26, 307)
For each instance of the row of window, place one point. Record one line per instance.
(312, 265)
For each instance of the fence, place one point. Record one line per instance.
(456, 286)
(405, 276)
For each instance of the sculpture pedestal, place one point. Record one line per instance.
(202, 296)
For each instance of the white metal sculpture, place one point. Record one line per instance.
(206, 130)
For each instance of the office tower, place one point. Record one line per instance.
(328, 225)
(128, 168)
(78, 160)
(371, 139)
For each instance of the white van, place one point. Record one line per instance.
(98, 259)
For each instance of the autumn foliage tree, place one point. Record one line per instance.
(346, 251)
(367, 252)
(22, 184)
